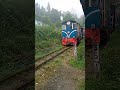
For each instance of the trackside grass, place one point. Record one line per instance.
(80, 62)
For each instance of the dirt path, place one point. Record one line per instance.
(64, 77)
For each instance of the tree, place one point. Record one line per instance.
(67, 16)
(48, 7)
(37, 12)
(48, 10)
(42, 11)
(55, 15)
(46, 20)
(82, 20)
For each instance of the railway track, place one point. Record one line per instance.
(49, 54)
(43, 60)
(24, 77)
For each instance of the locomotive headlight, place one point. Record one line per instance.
(68, 23)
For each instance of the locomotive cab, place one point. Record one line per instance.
(70, 32)
(92, 20)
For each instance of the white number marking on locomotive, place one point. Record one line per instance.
(96, 58)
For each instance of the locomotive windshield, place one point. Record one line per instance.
(70, 25)
(63, 27)
(74, 26)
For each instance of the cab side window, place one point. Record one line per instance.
(63, 27)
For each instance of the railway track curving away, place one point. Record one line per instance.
(26, 76)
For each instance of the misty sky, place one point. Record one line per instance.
(73, 6)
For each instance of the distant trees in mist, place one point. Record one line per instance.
(51, 16)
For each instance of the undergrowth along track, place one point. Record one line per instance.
(49, 53)
(43, 60)
(23, 77)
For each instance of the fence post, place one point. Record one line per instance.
(75, 51)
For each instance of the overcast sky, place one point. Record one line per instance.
(73, 6)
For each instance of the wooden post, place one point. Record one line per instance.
(96, 59)
(75, 51)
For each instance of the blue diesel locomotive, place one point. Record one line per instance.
(71, 33)
(99, 20)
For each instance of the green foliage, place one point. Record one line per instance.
(82, 84)
(80, 62)
(111, 61)
(46, 39)
(82, 21)
(16, 30)
(49, 16)
(53, 16)
(68, 16)
(16, 36)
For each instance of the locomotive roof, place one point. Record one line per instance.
(70, 21)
